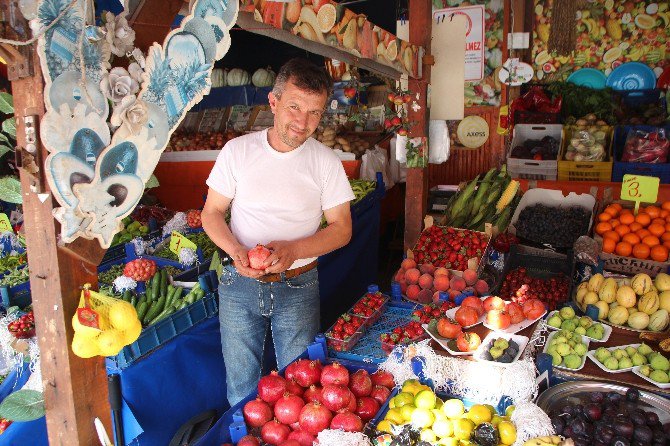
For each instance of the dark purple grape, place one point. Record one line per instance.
(633, 395)
(607, 434)
(652, 418)
(620, 441)
(593, 411)
(624, 428)
(597, 397)
(578, 427)
(638, 418)
(614, 397)
(643, 434)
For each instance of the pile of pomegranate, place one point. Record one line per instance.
(312, 397)
(520, 287)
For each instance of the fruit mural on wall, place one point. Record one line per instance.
(486, 91)
(609, 33)
(326, 22)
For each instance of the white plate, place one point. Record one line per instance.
(607, 327)
(636, 370)
(444, 342)
(522, 341)
(585, 340)
(451, 313)
(592, 355)
(515, 328)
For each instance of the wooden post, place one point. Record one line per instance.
(75, 389)
(420, 13)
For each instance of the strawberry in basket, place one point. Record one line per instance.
(23, 327)
(193, 219)
(140, 270)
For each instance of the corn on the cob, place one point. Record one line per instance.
(507, 196)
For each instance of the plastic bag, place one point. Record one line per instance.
(374, 161)
(401, 148)
(397, 169)
(537, 105)
(587, 146)
(646, 147)
(438, 142)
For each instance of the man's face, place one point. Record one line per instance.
(297, 113)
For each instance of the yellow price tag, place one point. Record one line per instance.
(5, 225)
(179, 241)
(639, 188)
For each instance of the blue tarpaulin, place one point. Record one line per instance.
(33, 433)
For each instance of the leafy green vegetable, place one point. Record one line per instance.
(579, 101)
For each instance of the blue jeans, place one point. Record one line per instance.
(246, 307)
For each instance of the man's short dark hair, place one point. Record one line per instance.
(304, 75)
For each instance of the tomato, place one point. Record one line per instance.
(466, 316)
(475, 303)
(498, 319)
(533, 309)
(468, 342)
(448, 328)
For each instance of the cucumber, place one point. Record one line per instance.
(133, 300)
(142, 310)
(155, 286)
(177, 294)
(164, 282)
(127, 295)
(162, 315)
(156, 308)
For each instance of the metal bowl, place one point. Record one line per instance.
(576, 392)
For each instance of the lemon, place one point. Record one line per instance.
(403, 399)
(411, 386)
(439, 415)
(425, 399)
(422, 418)
(479, 414)
(392, 403)
(407, 411)
(448, 441)
(385, 426)
(463, 428)
(122, 315)
(326, 17)
(84, 346)
(83, 330)
(496, 420)
(491, 409)
(131, 333)
(110, 342)
(394, 416)
(453, 408)
(507, 432)
(443, 428)
(428, 435)
(438, 403)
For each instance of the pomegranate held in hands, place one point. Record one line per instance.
(257, 256)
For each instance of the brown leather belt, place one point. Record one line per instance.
(288, 274)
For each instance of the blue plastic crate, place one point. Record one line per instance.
(156, 335)
(369, 347)
(117, 252)
(18, 295)
(621, 168)
(369, 200)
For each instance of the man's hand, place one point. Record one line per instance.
(282, 257)
(241, 262)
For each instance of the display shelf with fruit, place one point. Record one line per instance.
(432, 311)
(648, 144)
(446, 247)
(633, 243)
(416, 411)
(501, 348)
(406, 334)
(448, 338)
(535, 276)
(469, 313)
(567, 349)
(621, 358)
(513, 317)
(534, 151)
(636, 303)
(371, 306)
(657, 370)
(567, 319)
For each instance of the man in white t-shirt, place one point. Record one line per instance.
(278, 182)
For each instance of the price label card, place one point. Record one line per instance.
(5, 225)
(639, 188)
(179, 241)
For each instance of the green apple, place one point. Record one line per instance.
(555, 321)
(567, 313)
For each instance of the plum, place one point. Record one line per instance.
(652, 418)
(597, 397)
(624, 428)
(620, 441)
(579, 427)
(593, 411)
(632, 395)
(607, 434)
(614, 397)
(558, 424)
(638, 418)
(643, 434)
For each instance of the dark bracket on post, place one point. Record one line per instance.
(29, 158)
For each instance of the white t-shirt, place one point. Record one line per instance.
(278, 196)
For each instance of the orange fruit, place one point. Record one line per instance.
(604, 217)
(667, 227)
(642, 233)
(613, 235)
(658, 221)
(665, 236)
(622, 229)
(626, 218)
(609, 245)
(656, 229)
(623, 249)
(653, 211)
(659, 253)
(635, 226)
(643, 219)
(614, 222)
(641, 251)
(651, 240)
(603, 227)
(616, 206)
(631, 238)
(611, 210)
(664, 213)
(667, 244)
(666, 205)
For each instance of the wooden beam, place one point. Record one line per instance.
(416, 196)
(152, 21)
(75, 389)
